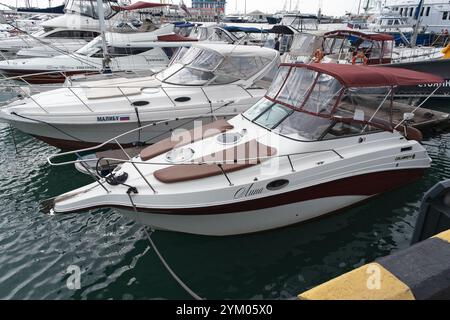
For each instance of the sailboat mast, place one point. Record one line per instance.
(366, 8)
(101, 19)
(417, 16)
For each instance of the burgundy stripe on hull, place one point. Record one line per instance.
(363, 185)
(40, 77)
(71, 145)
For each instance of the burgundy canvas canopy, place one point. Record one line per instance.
(370, 36)
(366, 76)
(139, 5)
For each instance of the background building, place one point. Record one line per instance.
(207, 10)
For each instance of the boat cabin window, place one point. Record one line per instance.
(115, 52)
(88, 8)
(74, 34)
(170, 51)
(312, 106)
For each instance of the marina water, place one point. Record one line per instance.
(116, 261)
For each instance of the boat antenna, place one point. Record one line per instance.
(101, 19)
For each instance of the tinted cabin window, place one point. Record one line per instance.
(170, 52)
(428, 11)
(125, 51)
(74, 34)
(445, 15)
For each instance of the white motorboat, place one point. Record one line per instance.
(321, 140)
(70, 31)
(208, 80)
(127, 51)
(65, 33)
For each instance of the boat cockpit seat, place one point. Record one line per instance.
(179, 140)
(229, 160)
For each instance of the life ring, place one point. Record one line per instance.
(318, 56)
(361, 57)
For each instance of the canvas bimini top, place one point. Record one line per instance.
(366, 76)
(363, 35)
(311, 102)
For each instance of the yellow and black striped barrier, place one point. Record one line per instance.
(421, 272)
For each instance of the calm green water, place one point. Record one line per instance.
(117, 262)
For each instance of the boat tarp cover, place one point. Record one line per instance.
(174, 38)
(139, 5)
(280, 29)
(366, 76)
(182, 24)
(51, 10)
(244, 29)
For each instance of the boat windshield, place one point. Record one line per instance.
(198, 66)
(300, 23)
(305, 44)
(339, 47)
(220, 35)
(89, 8)
(93, 48)
(305, 105)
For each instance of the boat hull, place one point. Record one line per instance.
(277, 211)
(244, 222)
(70, 137)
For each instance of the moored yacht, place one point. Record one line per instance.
(321, 140)
(356, 47)
(126, 51)
(207, 80)
(70, 31)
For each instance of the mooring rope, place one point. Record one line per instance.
(166, 265)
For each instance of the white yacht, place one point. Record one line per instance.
(64, 33)
(321, 140)
(206, 81)
(434, 15)
(150, 51)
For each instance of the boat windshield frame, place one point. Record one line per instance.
(274, 112)
(90, 8)
(343, 45)
(300, 23)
